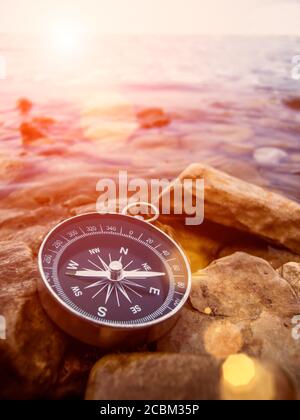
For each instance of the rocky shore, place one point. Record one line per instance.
(245, 260)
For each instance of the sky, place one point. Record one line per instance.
(153, 16)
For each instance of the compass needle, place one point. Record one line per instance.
(88, 273)
(142, 274)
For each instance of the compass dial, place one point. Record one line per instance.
(114, 270)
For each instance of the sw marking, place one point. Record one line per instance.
(111, 410)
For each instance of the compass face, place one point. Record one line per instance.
(115, 270)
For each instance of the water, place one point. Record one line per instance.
(225, 97)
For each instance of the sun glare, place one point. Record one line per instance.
(67, 37)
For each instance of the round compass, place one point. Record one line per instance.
(112, 279)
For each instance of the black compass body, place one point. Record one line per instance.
(110, 278)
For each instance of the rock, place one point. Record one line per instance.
(30, 133)
(188, 334)
(74, 371)
(37, 360)
(154, 376)
(246, 207)
(31, 354)
(24, 106)
(276, 257)
(32, 236)
(270, 156)
(153, 118)
(291, 273)
(256, 285)
(43, 122)
(239, 304)
(292, 103)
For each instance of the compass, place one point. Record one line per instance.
(112, 279)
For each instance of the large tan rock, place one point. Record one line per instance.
(154, 376)
(74, 371)
(239, 304)
(242, 286)
(291, 273)
(238, 204)
(277, 257)
(31, 353)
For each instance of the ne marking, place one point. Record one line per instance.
(101, 228)
(81, 230)
(172, 259)
(157, 246)
(65, 239)
(140, 236)
(179, 293)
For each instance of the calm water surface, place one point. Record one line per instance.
(225, 98)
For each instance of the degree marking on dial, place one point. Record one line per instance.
(82, 231)
(179, 293)
(140, 236)
(172, 259)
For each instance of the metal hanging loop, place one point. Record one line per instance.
(154, 209)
